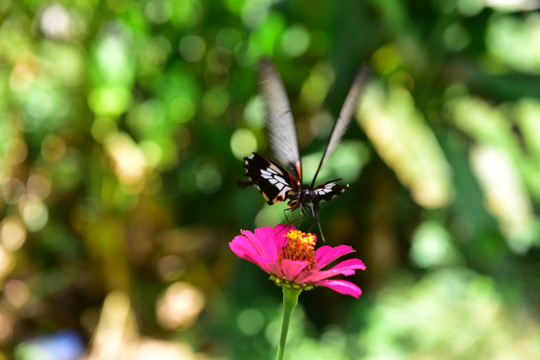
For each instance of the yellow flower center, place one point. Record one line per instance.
(301, 246)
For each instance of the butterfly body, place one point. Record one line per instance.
(304, 195)
(277, 183)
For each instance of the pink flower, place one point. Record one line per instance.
(289, 256)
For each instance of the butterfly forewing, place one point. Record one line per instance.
(272, 180)
(280, 123)
(345, 116)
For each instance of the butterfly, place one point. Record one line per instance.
(277, 183)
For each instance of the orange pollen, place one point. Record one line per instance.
(301, 246)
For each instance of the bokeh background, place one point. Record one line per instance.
(122, 129)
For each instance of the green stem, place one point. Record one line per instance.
(290, 299)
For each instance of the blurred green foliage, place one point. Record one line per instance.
(122, 129)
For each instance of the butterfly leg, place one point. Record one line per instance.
(315, 215)
(320, 229)
(288, 219)
(306, 208)
(285, 212)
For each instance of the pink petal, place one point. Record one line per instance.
(254, 249)
(263, 247)
(241, 246)
(273, 239)
(279, 235)
(262, 240)
(275, 269)
(244, 249)
(341, 286)
(291, 268)
(326, 254)
(248, 244)
(248, 240)
(346, 268)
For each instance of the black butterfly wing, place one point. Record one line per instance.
(345, 116)
(269, 178)
(328, 190)
(280, 123)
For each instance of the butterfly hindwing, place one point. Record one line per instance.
(328, 190)
(269, 178)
